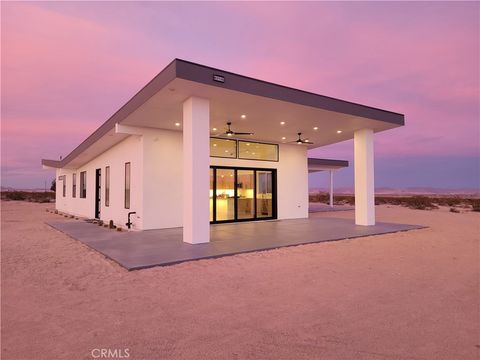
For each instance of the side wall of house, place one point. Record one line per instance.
(129, 150)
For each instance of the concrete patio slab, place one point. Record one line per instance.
(139, 250)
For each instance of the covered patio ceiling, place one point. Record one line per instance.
(274, 113)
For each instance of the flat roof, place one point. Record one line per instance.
(180, 71)
(315, 164)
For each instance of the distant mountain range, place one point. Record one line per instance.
(407, 191)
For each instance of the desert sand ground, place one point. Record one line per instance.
(410, 295)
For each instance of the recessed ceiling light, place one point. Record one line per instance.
(339, 131)
(315, 128)
(214, 144)
(283, 137)
(226, 151)
(248, 144)
(282, 122)
(243, 116)
(177, 124)
(214, 129)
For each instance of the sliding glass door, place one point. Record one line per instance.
(264, 194)
(225, 195)
(245, 194)
(242, 194)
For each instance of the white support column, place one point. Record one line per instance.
(196, 167)
(364, 177)
(331, 188)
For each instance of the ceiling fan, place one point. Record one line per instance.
(229, 131)
(300, 140)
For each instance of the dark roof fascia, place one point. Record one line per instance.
(203, 74)
(327, 162)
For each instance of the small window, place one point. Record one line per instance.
(223, 148)
(83, 184)
(74, 185)
(63, 179)
(127, 185)
(257, 151)
(107, 186)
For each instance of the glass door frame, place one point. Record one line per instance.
(236, 219)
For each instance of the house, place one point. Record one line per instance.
(199, 145)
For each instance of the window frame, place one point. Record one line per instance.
(225, 157)
(107, 186)
(83, 184)
(127, 190)
(257, 142)
(74, 185)
(63, 179)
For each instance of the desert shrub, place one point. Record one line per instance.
(15, 195)
(319, 197)
(420, 203)
(475, 205)
(453, 210)
(33, 196)
(344, 199)
(454, 201)
(391, 200)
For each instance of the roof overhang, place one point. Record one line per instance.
(266, 106)
(315, 165)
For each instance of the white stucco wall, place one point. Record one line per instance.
(162, 180)
(156, 160)
(129, 150)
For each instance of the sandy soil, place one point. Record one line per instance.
(411, 295)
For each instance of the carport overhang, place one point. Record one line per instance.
(331, 165)
(315, 165)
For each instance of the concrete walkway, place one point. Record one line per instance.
(143, 249)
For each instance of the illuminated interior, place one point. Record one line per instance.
(223, 148)
(249, 150)
(241, 194)
(257, 151)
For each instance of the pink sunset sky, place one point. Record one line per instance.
(67, 67)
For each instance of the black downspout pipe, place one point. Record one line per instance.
(129, 223)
